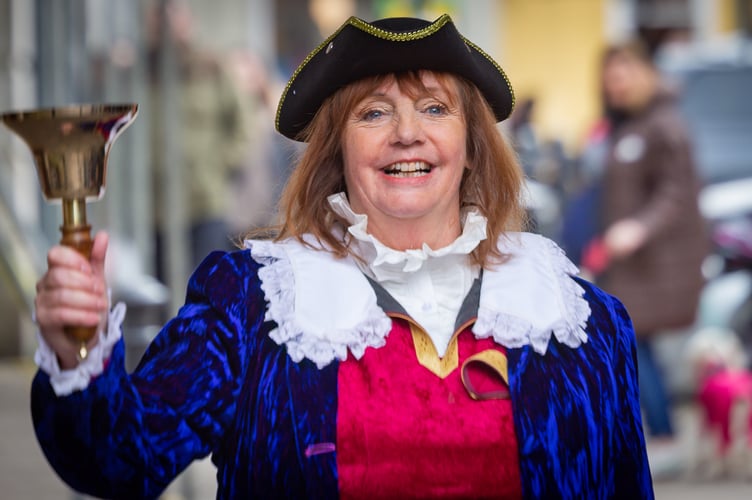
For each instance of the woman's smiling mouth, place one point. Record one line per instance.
(408, 169)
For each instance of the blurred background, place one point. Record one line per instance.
(202, 164)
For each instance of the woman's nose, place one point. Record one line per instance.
(407, 128)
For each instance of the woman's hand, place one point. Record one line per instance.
(73, 291)
(624, 238)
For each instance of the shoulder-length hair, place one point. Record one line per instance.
(492, 183)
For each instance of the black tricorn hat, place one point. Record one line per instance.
(359, 49)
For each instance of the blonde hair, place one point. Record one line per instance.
(492, 184)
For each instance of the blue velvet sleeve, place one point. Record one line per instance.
(129, 435)
(631, 471)
(578, 415)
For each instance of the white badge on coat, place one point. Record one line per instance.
(630, 148)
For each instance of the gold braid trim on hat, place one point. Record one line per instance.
(400, 37)
(300, 68)
(496, 65)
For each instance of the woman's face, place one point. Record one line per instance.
(628, 83)
(404, 155)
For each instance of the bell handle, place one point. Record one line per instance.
(78, 238)
(77, 235)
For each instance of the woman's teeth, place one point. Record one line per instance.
(408, 169)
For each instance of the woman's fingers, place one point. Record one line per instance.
(69, 278)
(54, 318)
(70, 297)
(73, 291)
(66, 268)
(60, 306)
(62, 256)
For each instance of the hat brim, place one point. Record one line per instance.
(359, 50)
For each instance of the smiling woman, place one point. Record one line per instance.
(487, 177)
(397, 338)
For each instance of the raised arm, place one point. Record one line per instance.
(129, 436)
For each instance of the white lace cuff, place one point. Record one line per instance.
(65, 382)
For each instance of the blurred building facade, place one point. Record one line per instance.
(58, 52)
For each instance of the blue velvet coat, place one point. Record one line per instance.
(213, 382)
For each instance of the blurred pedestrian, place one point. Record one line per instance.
(581, 204)
(255, 183)
(653, 239)
(211, 130)
(524, 137)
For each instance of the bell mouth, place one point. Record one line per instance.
(70, 145)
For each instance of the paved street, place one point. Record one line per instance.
(25, 475)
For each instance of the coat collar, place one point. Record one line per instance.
(324, 306)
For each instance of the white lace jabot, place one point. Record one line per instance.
(385, 263)
(324, 306)
(431, 285)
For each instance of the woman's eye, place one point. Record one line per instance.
(372, 114)
(436, 109)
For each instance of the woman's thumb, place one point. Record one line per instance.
(99, 252)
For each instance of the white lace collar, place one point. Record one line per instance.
(324, 306)
(385, 263)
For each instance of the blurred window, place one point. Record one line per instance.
(716, 102)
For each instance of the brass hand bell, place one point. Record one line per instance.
(70, 146)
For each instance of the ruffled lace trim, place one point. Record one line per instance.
(386, 263)
(561, 311)
(525, 301)
(65, 382)
(292, 279)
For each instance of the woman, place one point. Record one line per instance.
(397, 339)
(654, 237)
